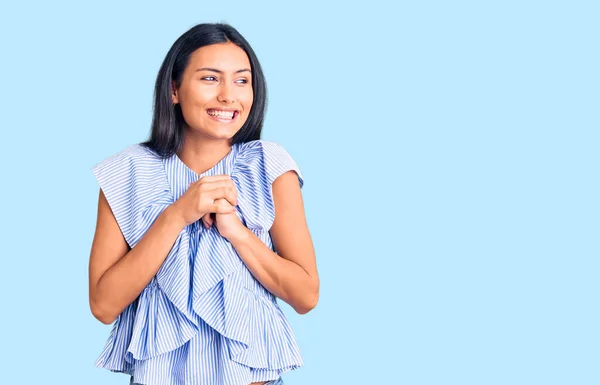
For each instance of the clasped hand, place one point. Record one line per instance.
(212, 199)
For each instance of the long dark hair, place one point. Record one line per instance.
(167, 134)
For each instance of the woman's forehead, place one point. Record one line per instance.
(226, 57)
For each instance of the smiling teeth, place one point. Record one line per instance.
(221, 114)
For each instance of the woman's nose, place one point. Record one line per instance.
(226, 94)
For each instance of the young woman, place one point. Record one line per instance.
(201, 228)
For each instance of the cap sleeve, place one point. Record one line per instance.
(130, 186)
(278, 161)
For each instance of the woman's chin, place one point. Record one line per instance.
(215, 132)
(224, 133)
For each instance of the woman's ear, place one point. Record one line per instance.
(174, 96)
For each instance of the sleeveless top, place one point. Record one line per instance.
(203, 319)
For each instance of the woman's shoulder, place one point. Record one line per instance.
(268, 158)
(263, 144)
(263, 149)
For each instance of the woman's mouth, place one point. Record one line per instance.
(223, 116)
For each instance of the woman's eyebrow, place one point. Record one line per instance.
(219, 71)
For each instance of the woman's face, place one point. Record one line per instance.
(215, 93)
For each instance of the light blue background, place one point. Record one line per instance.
(450, 154)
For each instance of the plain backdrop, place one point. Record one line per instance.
(450, 156)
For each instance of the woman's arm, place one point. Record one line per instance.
(291, 274)
(118, 274)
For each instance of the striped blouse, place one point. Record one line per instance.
(203, 319)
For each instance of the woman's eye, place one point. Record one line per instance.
(209, 78)
(242, 81)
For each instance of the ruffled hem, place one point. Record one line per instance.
(255, 329)
(158, 326)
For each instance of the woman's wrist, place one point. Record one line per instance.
(239, 237)
(175, 215)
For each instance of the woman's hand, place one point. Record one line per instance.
(227, 224)
(211, 194)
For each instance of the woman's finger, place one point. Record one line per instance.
(232, 197)
(213, 178)
(226, 193)
(217, 190)
(209, 186)
(207, 220)
(223, 208)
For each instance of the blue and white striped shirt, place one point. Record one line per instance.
(203, 319)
